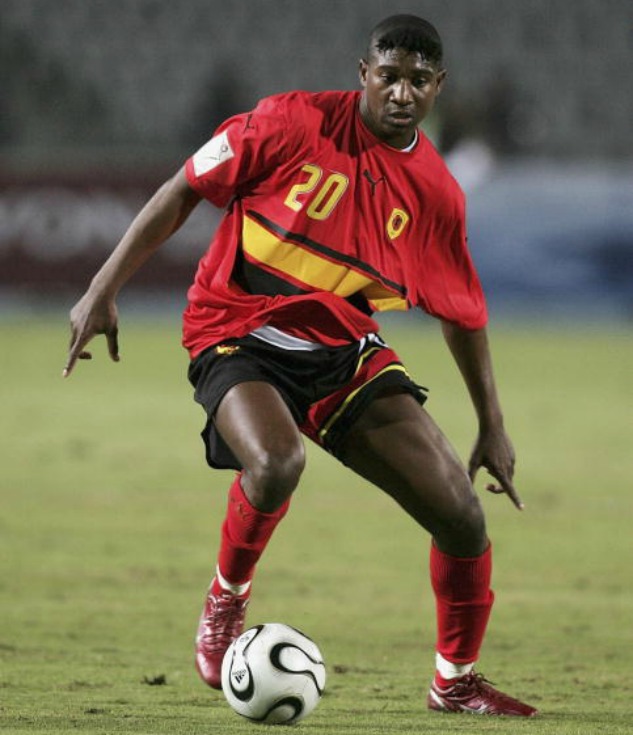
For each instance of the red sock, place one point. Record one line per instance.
(245, 534)
(463, 602)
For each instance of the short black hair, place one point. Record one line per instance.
(409, 32)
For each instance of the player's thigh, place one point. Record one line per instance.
(396, 445)
(258, 427)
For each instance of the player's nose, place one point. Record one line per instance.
(402, 93)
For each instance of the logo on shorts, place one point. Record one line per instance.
(226, 349)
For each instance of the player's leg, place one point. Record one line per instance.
(260, 431)
(397, 446)
(258, 427)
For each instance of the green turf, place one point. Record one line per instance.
(109, 523)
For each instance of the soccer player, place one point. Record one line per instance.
(336, 206)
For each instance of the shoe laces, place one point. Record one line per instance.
(223, 623)
(476, 683)
(473, 680)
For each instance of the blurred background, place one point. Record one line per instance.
(101, 100)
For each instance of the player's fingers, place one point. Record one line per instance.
(75, 352)
(83, 355)
(509, 490)
(113, 344)
(73, 355)
(70, 364)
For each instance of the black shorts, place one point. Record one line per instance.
(325, 389)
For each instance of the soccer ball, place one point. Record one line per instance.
(273, 674)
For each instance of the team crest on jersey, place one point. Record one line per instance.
(396, 223)
(212, 154)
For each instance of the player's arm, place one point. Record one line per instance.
(96, 313)
(493, 448)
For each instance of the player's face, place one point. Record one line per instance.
(399, 91)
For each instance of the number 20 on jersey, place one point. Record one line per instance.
(322, 196)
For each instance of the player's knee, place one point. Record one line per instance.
(274, 475)
(463, 530)
(471, 522)
(457, 519)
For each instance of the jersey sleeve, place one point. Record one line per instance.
(243, 149)
(448, 286)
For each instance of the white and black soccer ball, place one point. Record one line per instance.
(273, 674)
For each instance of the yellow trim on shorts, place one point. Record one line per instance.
(335, 416)
(364, 356)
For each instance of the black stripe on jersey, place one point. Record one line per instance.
(324, 250)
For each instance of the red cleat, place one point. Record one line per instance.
(473, 694)
(221, 622)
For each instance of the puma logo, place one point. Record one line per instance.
(372, 182)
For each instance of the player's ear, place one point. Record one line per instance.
(441, 76)
(363, 66)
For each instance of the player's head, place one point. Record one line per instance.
(408, 32)
(401, 75)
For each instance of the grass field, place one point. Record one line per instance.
(109, 523)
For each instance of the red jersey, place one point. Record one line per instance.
(324, 225)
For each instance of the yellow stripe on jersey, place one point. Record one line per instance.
(298, 263)
(381, 299)
(312, 269)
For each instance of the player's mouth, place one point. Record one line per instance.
(401, 118)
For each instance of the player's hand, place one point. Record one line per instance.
(493, 450)
(88, 318)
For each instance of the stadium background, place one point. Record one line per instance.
(102, 100)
